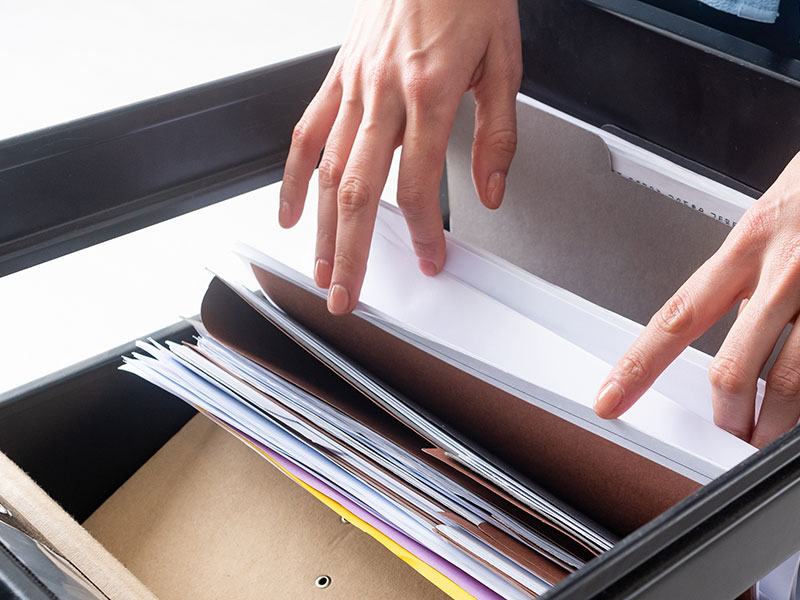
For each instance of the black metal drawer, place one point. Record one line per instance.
(66, 430)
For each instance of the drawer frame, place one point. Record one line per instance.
(235, 135)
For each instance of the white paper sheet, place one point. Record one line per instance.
(543, 344)
(166, 370)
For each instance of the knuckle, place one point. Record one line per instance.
(417, 77)
(290, 179)
(412, 201)
(354, 196)
(422, 89)
(676, 316)
(727, 375)
(426, 248)
(500, 138)
(351, 103)
(352, 75)
(418, 61)
(330, 173)
(325, 240)
(345, 264)
(511, 71)
(332, 82)
(757, 225)
(633, 369)
(783, 382)
(300, 133)
(371, 125)
(421, 80)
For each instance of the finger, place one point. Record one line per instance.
(705, 297)
(420, 175)
(735, 369)
(331, 167)
(308, 139)
(780, 410)
(357, 202)
(742, 304)
(495, 123)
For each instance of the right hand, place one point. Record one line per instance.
(398, 80)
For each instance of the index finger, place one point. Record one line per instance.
(308, 138)
(700, 302)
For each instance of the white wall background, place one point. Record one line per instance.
(64, 60)
(60, 60)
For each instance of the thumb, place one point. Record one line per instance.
(495, 122)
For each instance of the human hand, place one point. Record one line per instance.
(759, 265)
(397, 80)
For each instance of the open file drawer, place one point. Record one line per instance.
(232, 137)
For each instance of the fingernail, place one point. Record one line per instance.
(322, 273)
(338, 299)
(608, 399)
(284, 213)
(495, 189)
(427, 267)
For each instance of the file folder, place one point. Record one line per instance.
(489, 404)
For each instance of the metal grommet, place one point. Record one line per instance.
(322, 581)
(345, 521)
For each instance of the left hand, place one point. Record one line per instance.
(759, 265)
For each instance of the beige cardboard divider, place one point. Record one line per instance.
(208, 518)
(571, 220)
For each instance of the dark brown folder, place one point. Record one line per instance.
(610, 484)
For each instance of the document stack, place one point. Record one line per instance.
(448, 417)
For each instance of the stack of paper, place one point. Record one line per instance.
(450, 417)
(348, 448)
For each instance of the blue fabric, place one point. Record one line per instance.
(764, 11)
